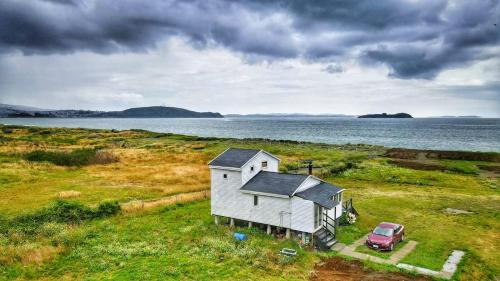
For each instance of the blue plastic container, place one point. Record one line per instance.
(240, 236)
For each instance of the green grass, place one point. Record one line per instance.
(182, 243)
(175, 243)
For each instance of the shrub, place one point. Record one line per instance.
(6, 130)
(61, 212)
(347, 218)
(77, 157)
(107, 209)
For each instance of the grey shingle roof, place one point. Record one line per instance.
(234, 157)
(274, 183)
(321, 194)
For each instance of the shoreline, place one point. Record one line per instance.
(195, 137)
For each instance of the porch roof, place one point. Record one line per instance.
(321, 194)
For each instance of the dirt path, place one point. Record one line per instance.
(339, 269)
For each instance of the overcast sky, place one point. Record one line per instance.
(426, 58)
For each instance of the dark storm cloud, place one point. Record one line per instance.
(415, 39)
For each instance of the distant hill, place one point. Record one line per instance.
(385, 115)
(159, 112)
(139, 112)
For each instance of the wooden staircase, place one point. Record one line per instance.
(325, 237)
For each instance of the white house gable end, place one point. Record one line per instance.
(261, 161)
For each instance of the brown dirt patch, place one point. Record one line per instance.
(404, 153)
(492, 168)
(417, 165)
(339, 269)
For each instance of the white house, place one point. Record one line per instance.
(246, 185)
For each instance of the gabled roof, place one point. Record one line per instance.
(234, 157)
(321, 194)
(274, 183)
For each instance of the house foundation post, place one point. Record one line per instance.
(249, 224)
(304, 238)
(231, 223)
(287, 235)
(216, 219)
(269, 229)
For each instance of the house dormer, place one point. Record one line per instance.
(246, 162)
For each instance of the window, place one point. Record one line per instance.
(224, 176)
(251, 169)
(337, 197)
(264, 164)
(255, 200)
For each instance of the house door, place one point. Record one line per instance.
(318, 216)
(285, 219)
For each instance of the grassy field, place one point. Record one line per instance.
(180, 241)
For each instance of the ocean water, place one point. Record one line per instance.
(473, 134)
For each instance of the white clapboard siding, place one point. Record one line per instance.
(256, 163)
(269, 210)
(226, 196)
(302, 215)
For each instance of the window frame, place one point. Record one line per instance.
(224, 176)
(255, 200)
(263, 164)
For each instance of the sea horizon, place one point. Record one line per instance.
(433, 133)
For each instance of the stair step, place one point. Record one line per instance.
(331, 243)
(329, 238)
(322, 235)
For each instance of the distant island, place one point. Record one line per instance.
(13, 111)
(385, 115)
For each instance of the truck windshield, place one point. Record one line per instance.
(383, 231)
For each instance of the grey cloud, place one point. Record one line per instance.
(314, 30)
(333, 68)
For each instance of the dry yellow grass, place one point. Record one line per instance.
(162, 170)
(28, 254)
(68, 194)
(140, 205)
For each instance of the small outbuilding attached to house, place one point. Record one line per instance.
(246, 185)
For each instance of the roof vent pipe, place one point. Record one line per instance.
(309, 166)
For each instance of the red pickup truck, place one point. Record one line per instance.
(385, 236)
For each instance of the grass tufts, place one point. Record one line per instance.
(77, 157)
(68, 194)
